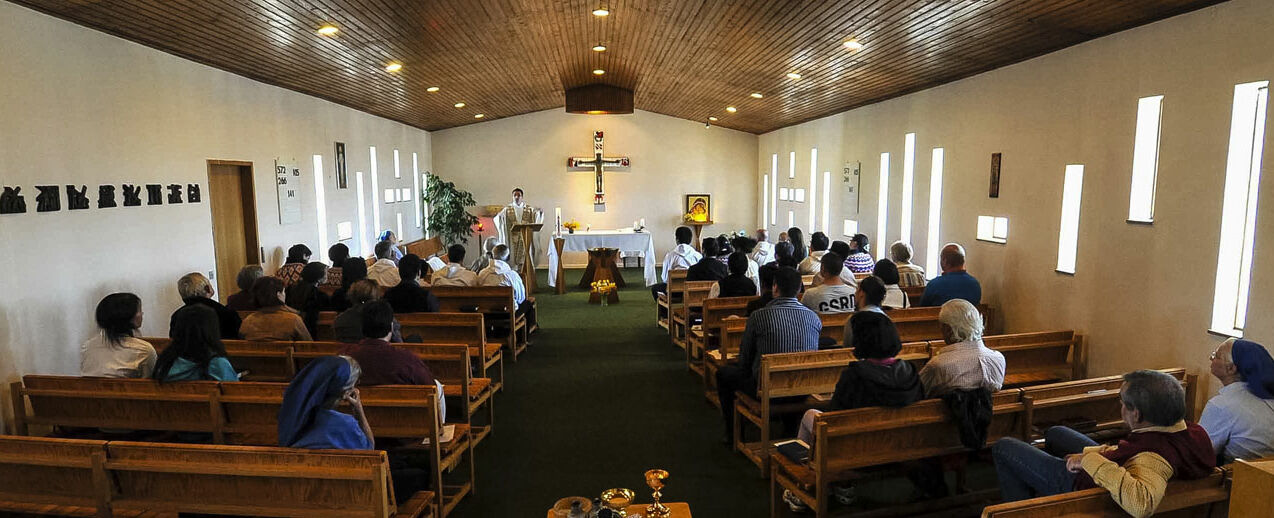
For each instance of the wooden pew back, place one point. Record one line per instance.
(59, 472)
(834, 326)
(143, 404)
(468, 299)
(1056, 355)
(393, 411)
(917, 324)
(801, 374)
(445, 328)
(693, 293)
(263, 360)
(1088, 405)
(325, 330)
(1202, 498)
(715, 310)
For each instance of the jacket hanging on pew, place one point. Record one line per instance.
(972, 412)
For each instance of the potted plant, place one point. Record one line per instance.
(446, 204)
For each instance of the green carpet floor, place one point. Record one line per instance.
(600, 397)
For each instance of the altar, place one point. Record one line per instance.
(624, 240)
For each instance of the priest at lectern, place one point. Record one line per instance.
(512, 214)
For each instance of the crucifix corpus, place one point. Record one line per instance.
(598, 164)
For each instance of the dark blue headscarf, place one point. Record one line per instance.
(1255, 366)
(320, 381)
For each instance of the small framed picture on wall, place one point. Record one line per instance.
(699, 207)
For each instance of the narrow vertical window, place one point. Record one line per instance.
(400, 224)
(424, 178)
(908, 181)
(1238, 210)
(774, 188)
(415, 182)
(827, 201)
(882, 212)
(791, 218)
(364, 249)
(791, 165)
(932, 244)
(813, 188)
(320, 209)
(398, 173)
(1068, 237)
(1145, 160)
(375, 195)
(765, 200)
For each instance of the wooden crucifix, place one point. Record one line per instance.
(598, 164)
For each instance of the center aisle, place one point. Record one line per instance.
(600, 397)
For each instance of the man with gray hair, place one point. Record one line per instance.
(499, 273)
(195, 289)
(965, 363)
(1160, 447)
(763, 252)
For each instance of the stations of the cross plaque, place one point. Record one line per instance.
(598, 164)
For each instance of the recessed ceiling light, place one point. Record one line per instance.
(599, 48)
(393, 67)
(432, 89)
(793, 75)
(853, 45)
(328, 30)
(601, 11)
(731, 109)
(459, 105)
(713, 119)
(757, 95)
(598, 72)
(479, 115)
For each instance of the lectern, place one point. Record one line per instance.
(527, 271)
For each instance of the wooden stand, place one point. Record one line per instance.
(558, 243)
(698, 227)
(1249, 494)
(601, 265)
(527, 271)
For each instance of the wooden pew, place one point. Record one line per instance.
(917, 324)
(693, 293)
(731, 337)
(667, 303)
(424, 247)
(395, 412)
(848, 440)
(489, 300)
(1090, 406)
(1042, 357)
(914, 294)
(834, 326)
(137, 404)
(133, 479)
(458, 328)
(707, 335)
(262, 360)
(1203, 498)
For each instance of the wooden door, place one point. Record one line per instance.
(232, 199)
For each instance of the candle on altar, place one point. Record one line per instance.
(558, 229)
(643, 222)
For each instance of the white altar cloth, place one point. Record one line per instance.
(625, 241)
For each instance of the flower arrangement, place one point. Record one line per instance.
(603, 288)
(571, 226)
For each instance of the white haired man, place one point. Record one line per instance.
(499, 273)
(965, 363)
(908, 274)
(763, 252)
(195, 289)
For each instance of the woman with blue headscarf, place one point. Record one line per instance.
(308, 417)
(1240, 419)
(395, 254)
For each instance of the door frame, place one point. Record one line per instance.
(256, 225)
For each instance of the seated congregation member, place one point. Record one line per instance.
(337, 253)
(1161, 447)
(484, 260)
(348, 326)
(273, 320)
(746, 245)
(115, 351)
(895, 298)
(737, 284)
(385, 364)
(763, 251)
(859, 259)
(782, 326)
(242, 301)
(353, 270)
(965, 363)
(196, 290)
(454, 274)
(796, 237)
(388, 236)
(767, 287)
(306, 298)
(708, 268)
(783, 255)
(954, 283)
(196, 352)
(290, 272)
(499, 273)
(831, 295)
(385, 270)
(908, 274)
(868, 295)
(724, 249)
(878, 378)
(1240, 418)
(680, 257)
(818, 247)
(842, 249)
(408, 296)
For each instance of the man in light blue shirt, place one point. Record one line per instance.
(954, 283)
(1240, 418)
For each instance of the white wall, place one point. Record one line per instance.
(670, 158)
(83, 107)
(1142, 293)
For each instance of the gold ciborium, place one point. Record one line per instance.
(617, 500)
(655, 480)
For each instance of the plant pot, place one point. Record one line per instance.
(570, 231)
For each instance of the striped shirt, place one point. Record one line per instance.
(910, 275)
(860, 262)
(782, 326)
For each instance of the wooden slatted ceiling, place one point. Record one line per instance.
(685, 58)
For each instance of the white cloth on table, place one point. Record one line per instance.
(624, 241)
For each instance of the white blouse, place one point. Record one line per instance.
(131, 358)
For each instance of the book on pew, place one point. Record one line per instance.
(795, 450)
(448, 433)
(436, 263)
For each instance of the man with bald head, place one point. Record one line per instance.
(954, 283)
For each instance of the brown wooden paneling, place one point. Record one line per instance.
(685, 58)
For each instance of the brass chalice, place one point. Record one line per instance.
(655, 480)
(617, 500)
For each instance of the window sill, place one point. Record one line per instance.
(1225, 334)
(1064, 272)
(1140, 221)
(994, 240)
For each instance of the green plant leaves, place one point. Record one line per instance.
(448, 218)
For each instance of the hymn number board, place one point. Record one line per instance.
(48, 198)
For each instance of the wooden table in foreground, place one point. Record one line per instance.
(679, 510)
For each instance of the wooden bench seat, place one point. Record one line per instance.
(693, 294)
(1203, 498)
(492, 301)
(459, 328)
(707, 335)
(667, 303)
